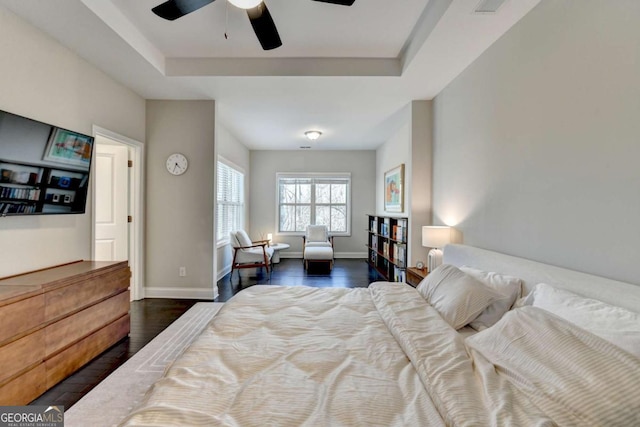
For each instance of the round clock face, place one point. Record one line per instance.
(177, 164)
(420, 265)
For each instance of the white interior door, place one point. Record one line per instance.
(111, 204)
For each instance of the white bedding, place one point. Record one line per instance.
(298, 356)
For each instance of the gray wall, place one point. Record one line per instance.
(412, 146)
(229, 147)
(45, 81)
(537, 142)
(265, 165)
(180, 208)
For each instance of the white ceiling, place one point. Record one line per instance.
(347, 71)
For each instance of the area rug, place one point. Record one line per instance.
(111, 400)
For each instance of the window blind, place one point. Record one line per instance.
(230, 201)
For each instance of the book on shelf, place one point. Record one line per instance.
(399, 275)
(401, 230)
(385, 227)
(19, 193)
(399, 253)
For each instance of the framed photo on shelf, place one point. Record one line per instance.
(394, 189)
(70, 148)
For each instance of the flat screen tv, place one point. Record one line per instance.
(44, 169)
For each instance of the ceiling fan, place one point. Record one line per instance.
(259, 15)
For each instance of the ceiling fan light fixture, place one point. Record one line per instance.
(245, 4)
(312, 135)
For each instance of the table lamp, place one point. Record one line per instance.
(435, 237)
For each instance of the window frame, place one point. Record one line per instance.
(226, 240)
(314, 176)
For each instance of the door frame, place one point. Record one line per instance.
(136, 209)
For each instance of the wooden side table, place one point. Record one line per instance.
(415, 275)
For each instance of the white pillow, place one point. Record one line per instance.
(458, 297)
(317, 233)
(509, 286)
(614, 324)
(243, 238)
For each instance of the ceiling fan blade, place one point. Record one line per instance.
(174, 9)
(340, 2)
(264, 27)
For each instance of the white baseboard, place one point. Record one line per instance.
(181, 293)
(290, 254)
(362, 255)
(345, 255)
(224, 272)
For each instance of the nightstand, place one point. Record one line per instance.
(415, 275)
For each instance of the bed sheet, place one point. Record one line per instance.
(292, 356)
(299, 356)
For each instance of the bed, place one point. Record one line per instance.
(393, 355)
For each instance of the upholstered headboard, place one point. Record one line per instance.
(531, 272)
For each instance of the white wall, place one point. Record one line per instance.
(394, 152)
(537, 142)
(232, 149)
(419, 173)
(411, 145)
(180, 209)
(265, 165)
(45, 81)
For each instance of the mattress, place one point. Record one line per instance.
(299, 356)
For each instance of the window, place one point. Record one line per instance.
(230, 202)
(322, 199)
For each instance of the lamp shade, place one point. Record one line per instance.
(434, 236)
(245, 4)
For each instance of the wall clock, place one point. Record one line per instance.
(177, 164)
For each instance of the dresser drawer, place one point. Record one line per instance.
(71, 329)
(21, 354)
(64, 300)
(21, 316)
(23, 389)
(71, 359)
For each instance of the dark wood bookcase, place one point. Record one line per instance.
(387, 246)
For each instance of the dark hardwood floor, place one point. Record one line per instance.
(149, 317)
(346, 273)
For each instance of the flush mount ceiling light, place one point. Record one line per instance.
(245, 4)
(312, 135)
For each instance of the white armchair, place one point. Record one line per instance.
(317, 245)
(248, 254)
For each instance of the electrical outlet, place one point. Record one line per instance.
(183, 271)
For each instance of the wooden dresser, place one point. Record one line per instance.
(54, 321)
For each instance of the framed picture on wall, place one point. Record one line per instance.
(69, 148)
(394, 189)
